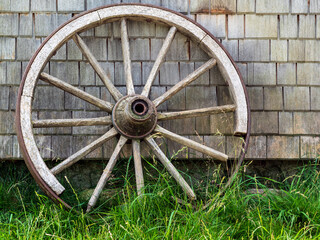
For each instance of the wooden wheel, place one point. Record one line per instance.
(133, 116)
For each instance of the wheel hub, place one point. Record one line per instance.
(134, 116)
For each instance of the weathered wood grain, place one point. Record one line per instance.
(149, 12)
(104, 105)
(32, 148)
(76, 122)
(192, 144)
(126, 57)
(195, 113)
(138, 166)
(106, 173)
(96, 66)
(53, 44)
(231, 76)
(159, 60)
(169, 166)
(185, 82)
(84, 151)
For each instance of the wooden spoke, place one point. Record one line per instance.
(195, 113)
(96, 66)
(76, 122)
(106, 106)
(159, 60)
(84, 151)
(106, 173)
(185, 82)
(169, 166)
(138, 166)
(126, 57)
(192, 144)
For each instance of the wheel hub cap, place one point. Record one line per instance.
(134, 116)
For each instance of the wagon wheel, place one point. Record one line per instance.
(134, 115)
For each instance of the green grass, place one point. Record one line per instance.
(291, 213)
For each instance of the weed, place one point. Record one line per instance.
(248, 209)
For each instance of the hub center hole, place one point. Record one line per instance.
(139, 107)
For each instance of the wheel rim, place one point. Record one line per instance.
(140, 103)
